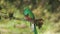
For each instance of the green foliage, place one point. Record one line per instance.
(8, 6)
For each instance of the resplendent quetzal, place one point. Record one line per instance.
(30, 17)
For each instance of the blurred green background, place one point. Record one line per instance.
(49, 10)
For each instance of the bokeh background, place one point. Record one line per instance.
(49, 10)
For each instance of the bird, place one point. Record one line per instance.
(29, 16)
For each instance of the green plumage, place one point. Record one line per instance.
(35, 30)
(28, 12)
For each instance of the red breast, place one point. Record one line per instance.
(27, 18)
